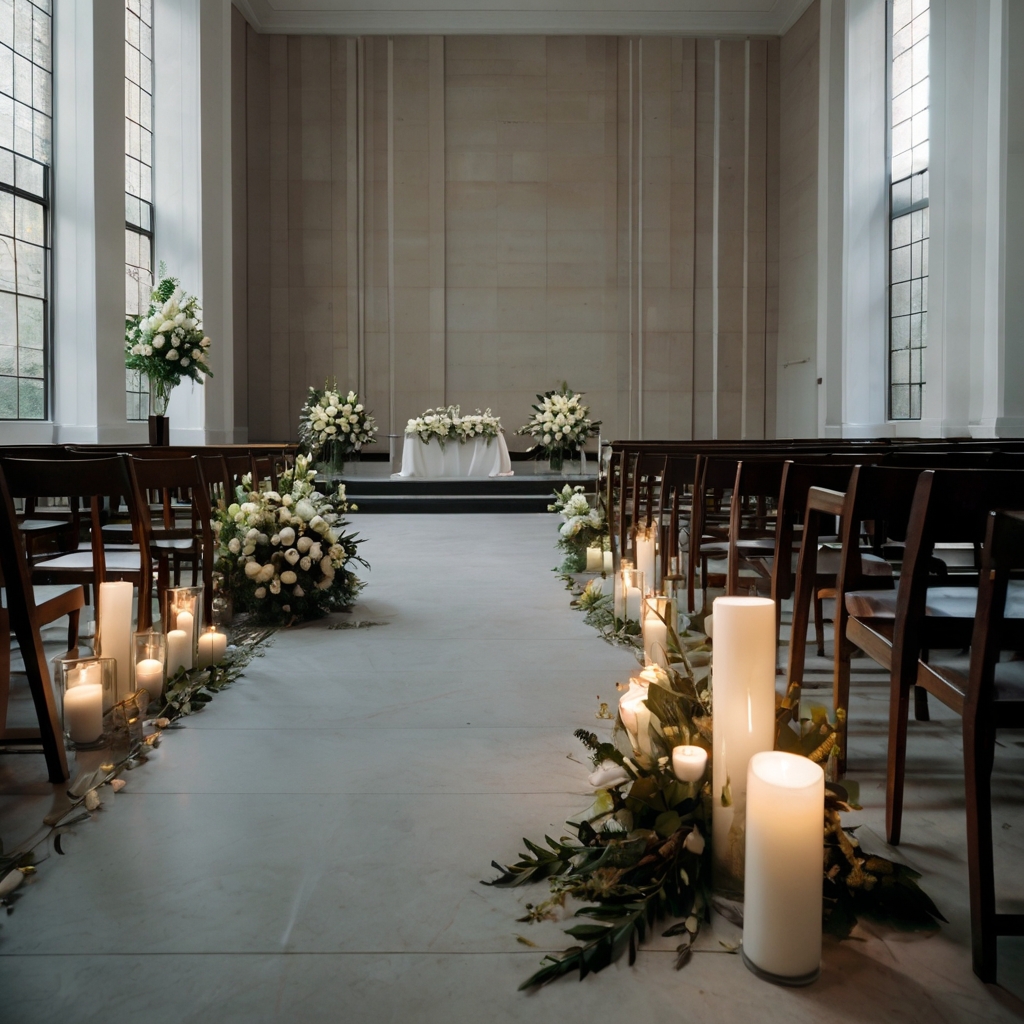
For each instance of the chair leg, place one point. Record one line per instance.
(73, 619)
(921, 712)
(5, 667)
(979, 750)
(899, 711)
(819, 624)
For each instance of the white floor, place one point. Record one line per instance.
(310, 848)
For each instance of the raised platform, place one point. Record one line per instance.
(524, 492)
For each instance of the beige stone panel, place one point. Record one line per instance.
(412, 166)
(522, 247)
(521, 135)
(525, 166)
(703, 417)
(566, 107)
(472, 275)
(663, 363)
(411, 48)
(521, 362)
(578, 357)
(280, 315)
(522, 275)
(798, 211)
(575, 207)
(471, 247)
(472, 165)
(576, 275)
(412, 359)
(575, 246)
(472, 309)
(577, 139)
(474, 135)
(522, 206)
(575, 167)
(470, 104)
(575, 309)
(574, 78)
(317, 249)
(470, 47)
(473, 202)
(412, 309)
(563, 51)
(522, 309)
(522, 104)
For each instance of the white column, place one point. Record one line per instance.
(88, 286)
(866, 224)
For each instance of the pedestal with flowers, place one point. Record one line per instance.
(333, 428)
(560, 424)
(167, 344)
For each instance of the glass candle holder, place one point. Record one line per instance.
(657, 611)
(212, 647)
(124, 721)
(632, 592)
(183, 622)
(149, 663)
(645, 546)
(87, 687)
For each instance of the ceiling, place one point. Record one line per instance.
(452, 17)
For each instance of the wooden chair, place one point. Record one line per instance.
(989, 698)
(101, 483)
(177, 485)
(902, 631)
(881, 495)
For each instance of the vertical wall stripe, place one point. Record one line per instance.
(640, 245)
(716, 163)
(630, 237)
(744, 426)
(391, 235)
(361, 202)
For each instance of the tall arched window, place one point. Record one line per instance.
(908, 206)
(25, 139)
(138, 180)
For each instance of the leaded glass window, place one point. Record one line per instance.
(26, 112)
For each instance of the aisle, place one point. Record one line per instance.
(310, 848)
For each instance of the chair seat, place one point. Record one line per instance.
(951, 674)
(43, 593)
(117, 560)
(43, 525)
(943, 602)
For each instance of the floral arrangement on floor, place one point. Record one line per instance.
(167, 342)
(333, 426)
(641, 855)
(560, 423)
(582, 526)
(284, 555)
(449, 424)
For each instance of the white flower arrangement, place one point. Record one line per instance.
(283, 553)
(560, 421)
(332, 420)
(572, 504)
(167, 342)
(449, 423)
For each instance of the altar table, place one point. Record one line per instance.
(474, 458)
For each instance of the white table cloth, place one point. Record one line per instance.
(474, 458)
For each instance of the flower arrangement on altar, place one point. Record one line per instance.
(167, 342)
(646, 849)
(582, 526)
(449, 424)
(561, 423)
(284, 555)
(333, 425)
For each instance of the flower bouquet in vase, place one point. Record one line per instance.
(167, 343)
(334, 427)
(561, 424)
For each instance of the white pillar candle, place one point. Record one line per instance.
(607, 560)
(186, 623)
(212, 647)
(595, 559)
(89, 672)
(636, 717)
(743, 706)
(179, 651)
(689, 763)
(149, 675)
(114, 632)
(633, 603)
(83, 712)
(782, 898)
(655, 635)
(645, 557)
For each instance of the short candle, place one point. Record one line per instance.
(83, 712)
(149, 675)
(212, 647)
(595, 559)
(607, 557)
(689, 763)
(179, 651)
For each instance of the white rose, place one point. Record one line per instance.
(608, 775)
(234, 545)
(252, 569)
(248, 549)
(275, 540)
(305, 510)
(205, 343)
(291, 556)
(694, 842)
(288, 577)
(305, 563)
(184, 361)
(327, 566)
(314, 551)
(158, 343)
(172, 354)
(275, 587)
(298, 591)
(267, 574)
(261, 592)
(359, 408)
(287, 536)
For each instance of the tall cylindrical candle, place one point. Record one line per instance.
(607, 556)
(83, 712)
(187, 624)
(595, 559)
(114, 632)
(179, 651)
(636, 717)
(782, 897)
(743, 706)
(645, 556)
(655, 632)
